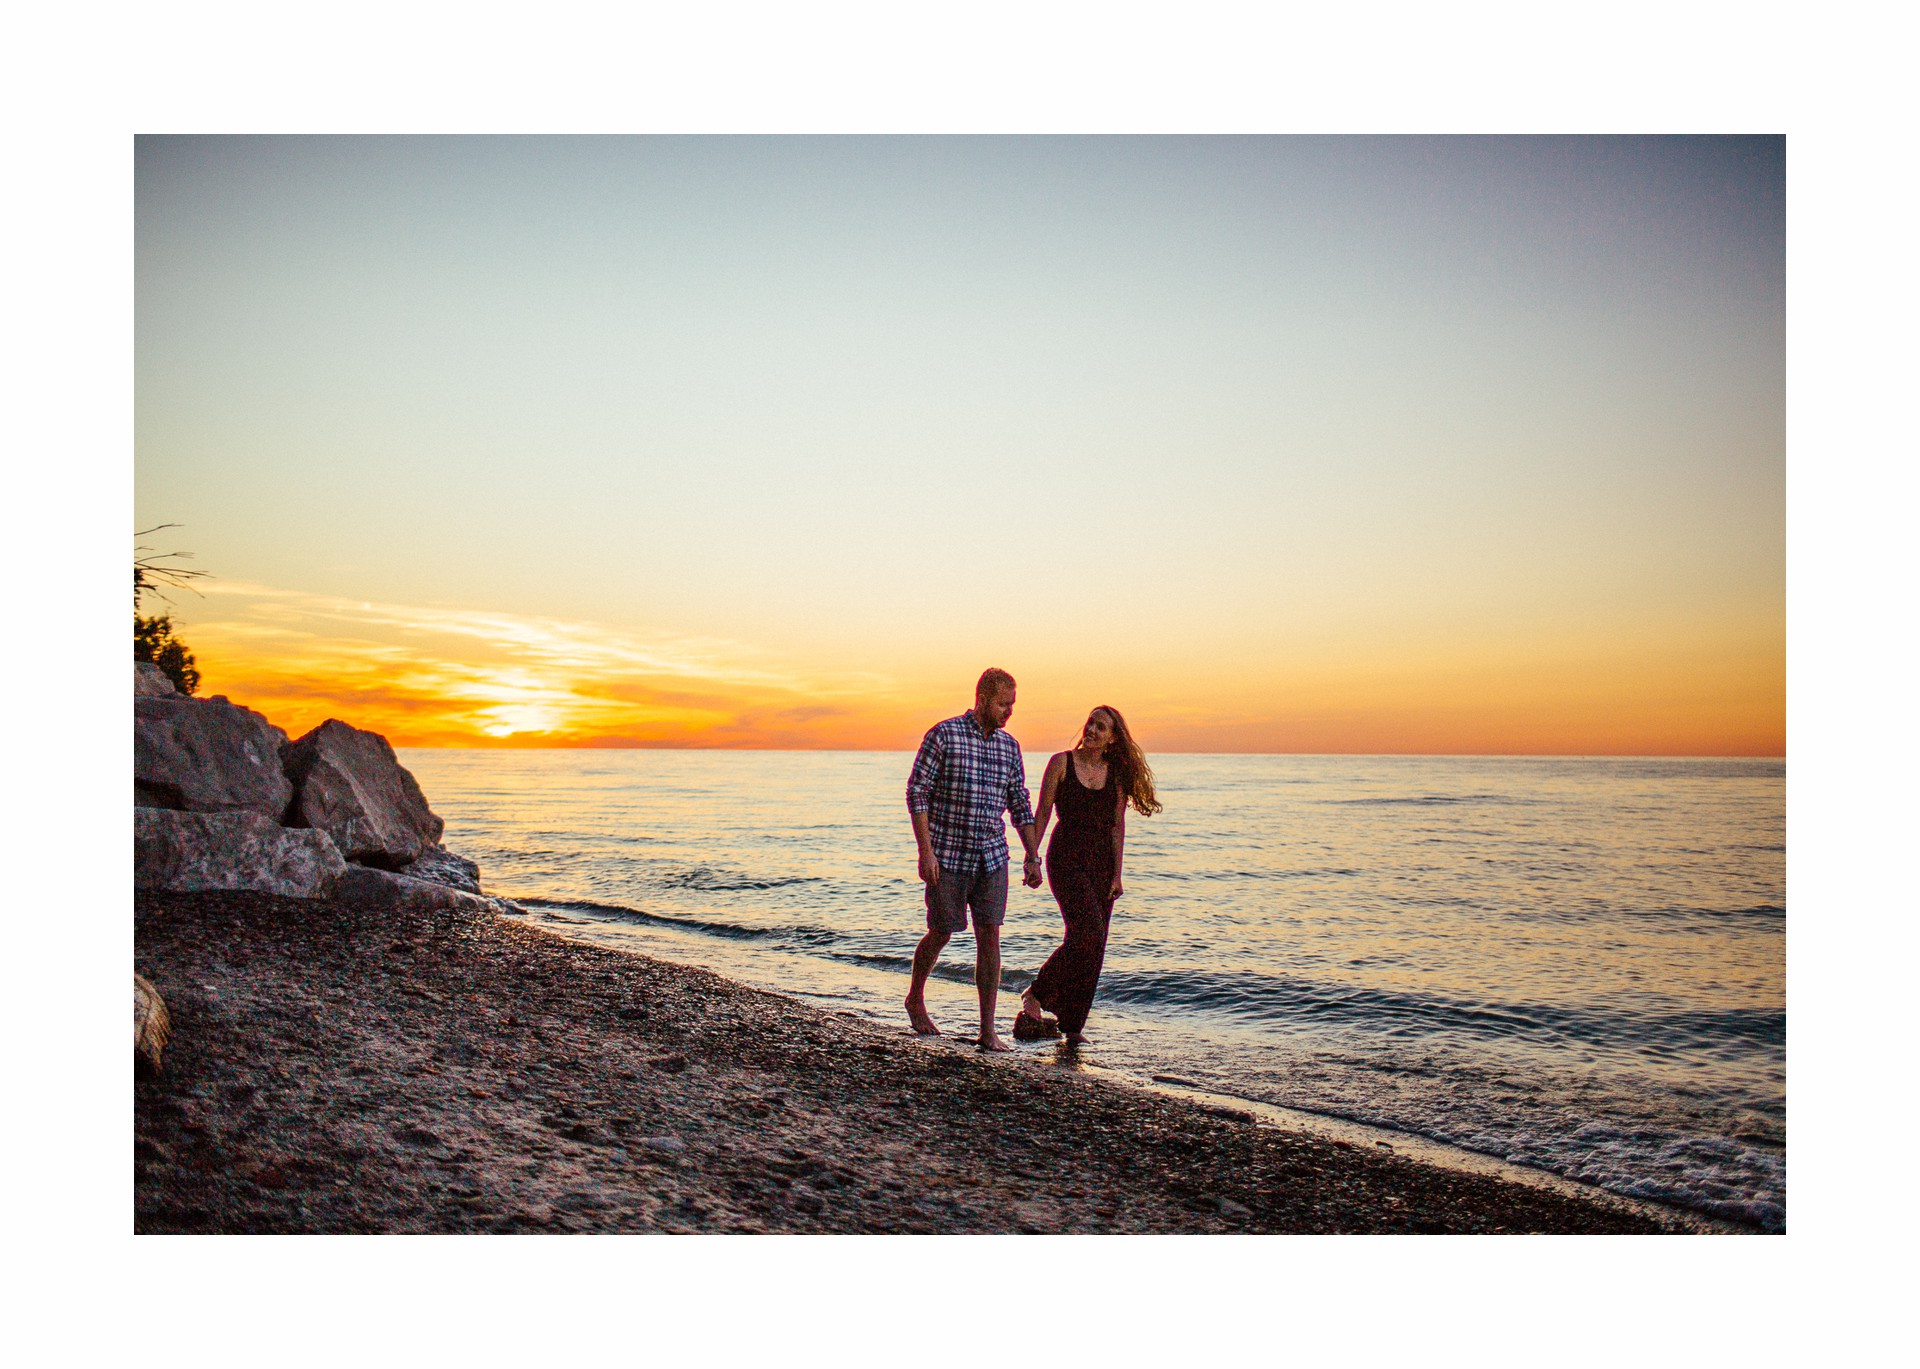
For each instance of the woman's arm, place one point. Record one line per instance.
(1119, 842)
(1049, 786)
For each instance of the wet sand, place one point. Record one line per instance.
(334, 1069)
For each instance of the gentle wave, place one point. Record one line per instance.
(1279, 1001)
(1427, 800)
(956, 970)
(713, 881)
(1237, 876)
(620, 912)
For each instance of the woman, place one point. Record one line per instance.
(1092, 786)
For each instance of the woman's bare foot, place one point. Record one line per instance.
(990, 1041)
(917, 1014)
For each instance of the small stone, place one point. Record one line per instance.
(805, 1200)
(149, 1151)
(667, 1143)
(1235, 1211)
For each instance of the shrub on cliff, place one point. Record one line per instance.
(153, 641)
(153, 638)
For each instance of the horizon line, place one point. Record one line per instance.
(1171, 751)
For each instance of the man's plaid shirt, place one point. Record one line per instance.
(963, 780)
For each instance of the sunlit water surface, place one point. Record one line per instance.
(1573, 964)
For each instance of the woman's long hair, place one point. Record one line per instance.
(1129, 763)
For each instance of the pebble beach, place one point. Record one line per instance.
(335, 1069)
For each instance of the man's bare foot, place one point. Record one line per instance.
(1075, 1039)
(917, 1014)
(990, 1041)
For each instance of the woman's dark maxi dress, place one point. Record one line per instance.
(1080, 873)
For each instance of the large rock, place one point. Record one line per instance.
(150, 679)
(384, 891)
(187, 851)
(207, 756)
(348, 784)
(441, 866)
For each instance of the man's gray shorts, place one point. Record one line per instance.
(949, 899)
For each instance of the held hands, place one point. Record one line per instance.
(1030, 873)
(1117, 890)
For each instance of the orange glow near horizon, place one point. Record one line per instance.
(447, 678)
(429, 677)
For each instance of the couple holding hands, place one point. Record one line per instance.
(968, 774)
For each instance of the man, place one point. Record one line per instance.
(968, 773)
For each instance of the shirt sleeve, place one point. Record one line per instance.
(926, 766)
(1019, 803)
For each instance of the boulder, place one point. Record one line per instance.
(151, 1027)
(441, 866)
(207, 756)
(187, 851)
(150, 679)
(348, 784)
(385, 891)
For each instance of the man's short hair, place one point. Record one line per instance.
(992, 680)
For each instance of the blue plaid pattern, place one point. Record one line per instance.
(963, 780)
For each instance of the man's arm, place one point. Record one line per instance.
(1020, 807)
(929, 862)
(926, 768)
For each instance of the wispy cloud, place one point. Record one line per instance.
(437, 676)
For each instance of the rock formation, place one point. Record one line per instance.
(185, 851)
(382, 890)
(443, 867)
(222, 800)
(206, 756)
(348, 784)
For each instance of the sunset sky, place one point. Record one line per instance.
(1276, 444)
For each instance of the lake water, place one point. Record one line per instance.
(1576, 965)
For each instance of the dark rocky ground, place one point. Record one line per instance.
(339, 1070)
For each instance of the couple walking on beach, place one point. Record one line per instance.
(968, 776)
